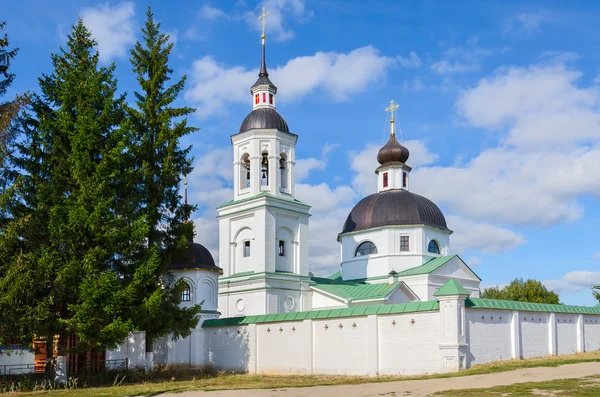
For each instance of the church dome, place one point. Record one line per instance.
(264, 118)
(196, 257)
(392, 151)
(394, 207)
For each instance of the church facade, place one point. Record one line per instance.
(401, 302)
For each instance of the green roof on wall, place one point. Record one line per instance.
(357, 291)
(481, 303)
(326, 313)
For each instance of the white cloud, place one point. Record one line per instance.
(526, 23)
(207, 12)
(411, 61)
(539, 105)
(549, 133)
(575, 281)
(474, 261)
(338, 75)
(112, 26)
(597, 255)
(486, 238)
(461, 59)
(280, 12)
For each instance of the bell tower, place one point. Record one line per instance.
(263, 231)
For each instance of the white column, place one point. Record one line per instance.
(552, 334)
(515, 326)
(373, 345)
(252, 338)
(232, 247)
(452, 342)
(580, 334)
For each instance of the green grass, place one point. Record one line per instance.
(582, 387)
(179, 380)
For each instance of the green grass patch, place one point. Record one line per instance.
(581, 387)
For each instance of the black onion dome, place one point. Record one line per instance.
(392, 151)
(196, 257)
(394, 207)
(264, 118)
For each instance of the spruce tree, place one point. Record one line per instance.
(160, 163)
(66, 242)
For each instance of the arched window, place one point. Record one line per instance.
(433, 247)
(186, 293)
(366, 248)
(283, 169)
(245, 171)
(264, 169)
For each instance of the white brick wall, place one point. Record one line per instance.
(405, 347)
(488, 336)
(591, 331)
(284, 348)
(566, 334)
(534, 334)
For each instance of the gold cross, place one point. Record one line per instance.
(263, 16)
(392, 108)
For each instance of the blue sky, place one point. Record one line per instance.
(499, 108)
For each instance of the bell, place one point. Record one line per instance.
(282, 163)
(264, 172)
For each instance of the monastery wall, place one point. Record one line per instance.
(398, 344)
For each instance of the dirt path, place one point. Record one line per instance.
(416, 388)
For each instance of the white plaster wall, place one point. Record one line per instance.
(284, 348)
(341, 350)
(321, 301)
(488, 335)
(251, 302)
(534, 334)
(566, 334)
(591, 331)
(133, 349)
(21, 359)
(407, 348)
(229, 348)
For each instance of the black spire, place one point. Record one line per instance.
(263, 63)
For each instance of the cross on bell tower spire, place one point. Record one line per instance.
(263, 17)
(392, 110)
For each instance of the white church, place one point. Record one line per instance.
(401, 303)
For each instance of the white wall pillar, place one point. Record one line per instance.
(452, 342)
(552, 348)
(580, 334)
(252, 339)
(515, 326)
(373, 345)
(311, 345)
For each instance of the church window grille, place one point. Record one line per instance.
(256, 99)
(404, 243)
(186, 294)
(433, 247)
(404, 179)
(264, 97)
(271, 99)
(246, 249)
(385, 179)
(281, 248)
(366, 248)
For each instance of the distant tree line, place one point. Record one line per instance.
(90, 210)
(522, 291)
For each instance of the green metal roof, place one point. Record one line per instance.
(452, 287)
(353, 292)
(260, 195)
(431, 266)
(480, 303)
(336, 276)
(326, 313)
